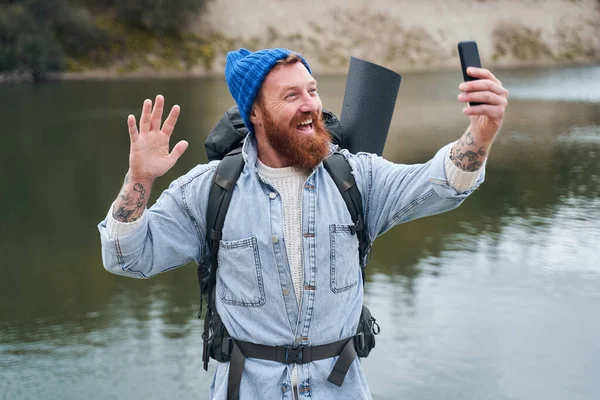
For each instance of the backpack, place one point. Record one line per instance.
(225, 143)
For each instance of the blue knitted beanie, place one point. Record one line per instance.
(245, 72)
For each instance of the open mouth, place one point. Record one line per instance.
(305, 126)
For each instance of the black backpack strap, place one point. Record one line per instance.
(227, 174)
(341, 173)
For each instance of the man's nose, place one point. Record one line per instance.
(309, 104)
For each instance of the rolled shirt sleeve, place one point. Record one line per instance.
(116, 228)
(169, 234)
(458, 179)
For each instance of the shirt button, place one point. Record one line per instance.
(274, 239)
(272, 195)
(286, 291)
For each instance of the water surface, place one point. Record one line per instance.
(499, 299)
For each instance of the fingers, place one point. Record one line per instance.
(483, 85)
(483, 97)
(171, 120)
(157, 113)
(494, 105)
(488, 90)
(178, 151)
(132, 127)
(482, 73)
(145, 118)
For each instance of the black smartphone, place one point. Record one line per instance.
(469, 57)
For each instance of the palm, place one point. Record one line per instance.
(149, 155)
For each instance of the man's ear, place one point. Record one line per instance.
(255, 115)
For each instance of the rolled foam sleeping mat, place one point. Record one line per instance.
(369, 101)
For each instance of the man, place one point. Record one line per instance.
(288, 262)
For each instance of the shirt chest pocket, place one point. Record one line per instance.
(343, 258)
(240, 274)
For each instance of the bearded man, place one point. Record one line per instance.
(288, 261)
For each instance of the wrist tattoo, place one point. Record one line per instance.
(130, 206)
(468, 159)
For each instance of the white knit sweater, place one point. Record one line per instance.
(289, 183)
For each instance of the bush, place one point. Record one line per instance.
(27, 46)
(77, 33)
(158, 16)
(39, 36)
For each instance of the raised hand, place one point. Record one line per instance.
(149, 158)
(149, 155)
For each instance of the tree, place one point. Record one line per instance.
(158, 16)
(36, 36)
(27, 46)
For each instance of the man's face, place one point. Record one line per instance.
(290, 112)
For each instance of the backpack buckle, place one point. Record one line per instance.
(293, 354)
(358, 225)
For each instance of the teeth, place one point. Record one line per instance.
(308, 121)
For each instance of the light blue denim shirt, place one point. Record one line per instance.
(255, 292)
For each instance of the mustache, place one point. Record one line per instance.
(314, 115)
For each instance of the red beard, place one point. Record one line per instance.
(303, 151)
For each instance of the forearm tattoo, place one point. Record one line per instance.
(465, 154)
(130, 204)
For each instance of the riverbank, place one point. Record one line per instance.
(405, 36)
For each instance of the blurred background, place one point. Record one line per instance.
(499, 299)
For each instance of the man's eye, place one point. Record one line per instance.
(290, 95)
(313, 90)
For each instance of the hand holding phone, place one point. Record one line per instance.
(469, 57)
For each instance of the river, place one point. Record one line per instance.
(499, 299)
